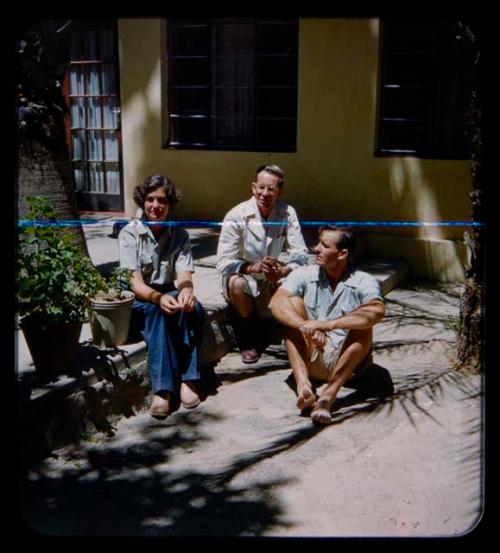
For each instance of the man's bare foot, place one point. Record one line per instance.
(306, 398)
(321, 413)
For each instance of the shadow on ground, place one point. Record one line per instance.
(115, 488)
(118, 490)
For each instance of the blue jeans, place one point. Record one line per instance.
(173, 343)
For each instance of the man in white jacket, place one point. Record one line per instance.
(253, 235)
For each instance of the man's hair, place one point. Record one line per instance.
(347, 238)
(153, 182)
(274, 170)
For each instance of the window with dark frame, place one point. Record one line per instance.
(232, 83)
(425, 90)
(94, 108)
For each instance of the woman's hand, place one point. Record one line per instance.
(169, 304)
(186, 299)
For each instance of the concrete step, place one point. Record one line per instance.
(389, 272)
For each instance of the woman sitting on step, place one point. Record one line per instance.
(169, 316)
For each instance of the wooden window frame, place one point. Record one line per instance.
(432, 146)
(211, 116)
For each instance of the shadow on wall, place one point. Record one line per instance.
(419, 190)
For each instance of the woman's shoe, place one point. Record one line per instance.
(189, 397)
(160, 407)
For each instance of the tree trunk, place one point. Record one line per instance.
(471, 328)
(44, 166)
(43, 172)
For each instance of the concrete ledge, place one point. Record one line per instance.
(389, 272)
(433, 259)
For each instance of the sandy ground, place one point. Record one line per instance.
(245, 463)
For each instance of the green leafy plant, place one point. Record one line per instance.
(116, 285)
(55, 280)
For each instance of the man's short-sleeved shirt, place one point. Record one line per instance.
(160, 260)
(312, 285)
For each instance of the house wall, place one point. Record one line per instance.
(334, 174)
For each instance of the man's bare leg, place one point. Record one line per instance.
(298, 353)
(240, 300)
(354, 351)
(245, 327)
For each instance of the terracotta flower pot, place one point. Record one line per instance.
(110, 320)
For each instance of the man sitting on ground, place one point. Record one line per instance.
(329, 310)
(253, 235)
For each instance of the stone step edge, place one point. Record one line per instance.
(124, 357)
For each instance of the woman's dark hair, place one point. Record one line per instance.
(347, 238)
(150, 184)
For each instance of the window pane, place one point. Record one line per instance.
(409, 36)
(94, 113)
(277, 133)
(93, 81)
(190, 41)
(80, 174)
(112, 178)
(111, 145)
(77, 113)
(277, 70)
(412, 103)
(95, 146)
(76, 80)
(189, 71)
(234, 71)
(78, 143)
(233, 132)
(189, 131)
(414, 69)
(234, 39)
(452, 127)
(108, 79)
(96, 177)
(76, 47)
(107, 44)
(277, 102)
(110, 106)
(234, 102)
(278, 38)
(90, 45)
(407, 136)
(189, 100)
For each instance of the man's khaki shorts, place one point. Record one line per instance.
(322, 363)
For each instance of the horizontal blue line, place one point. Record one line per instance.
(26, 223)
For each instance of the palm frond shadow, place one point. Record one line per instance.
(409, 393)
(137, 496)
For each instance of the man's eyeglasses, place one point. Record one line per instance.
(270, 189)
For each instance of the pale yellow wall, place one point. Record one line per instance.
(334, 173)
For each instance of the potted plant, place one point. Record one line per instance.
(110, 310)
(54, 283)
